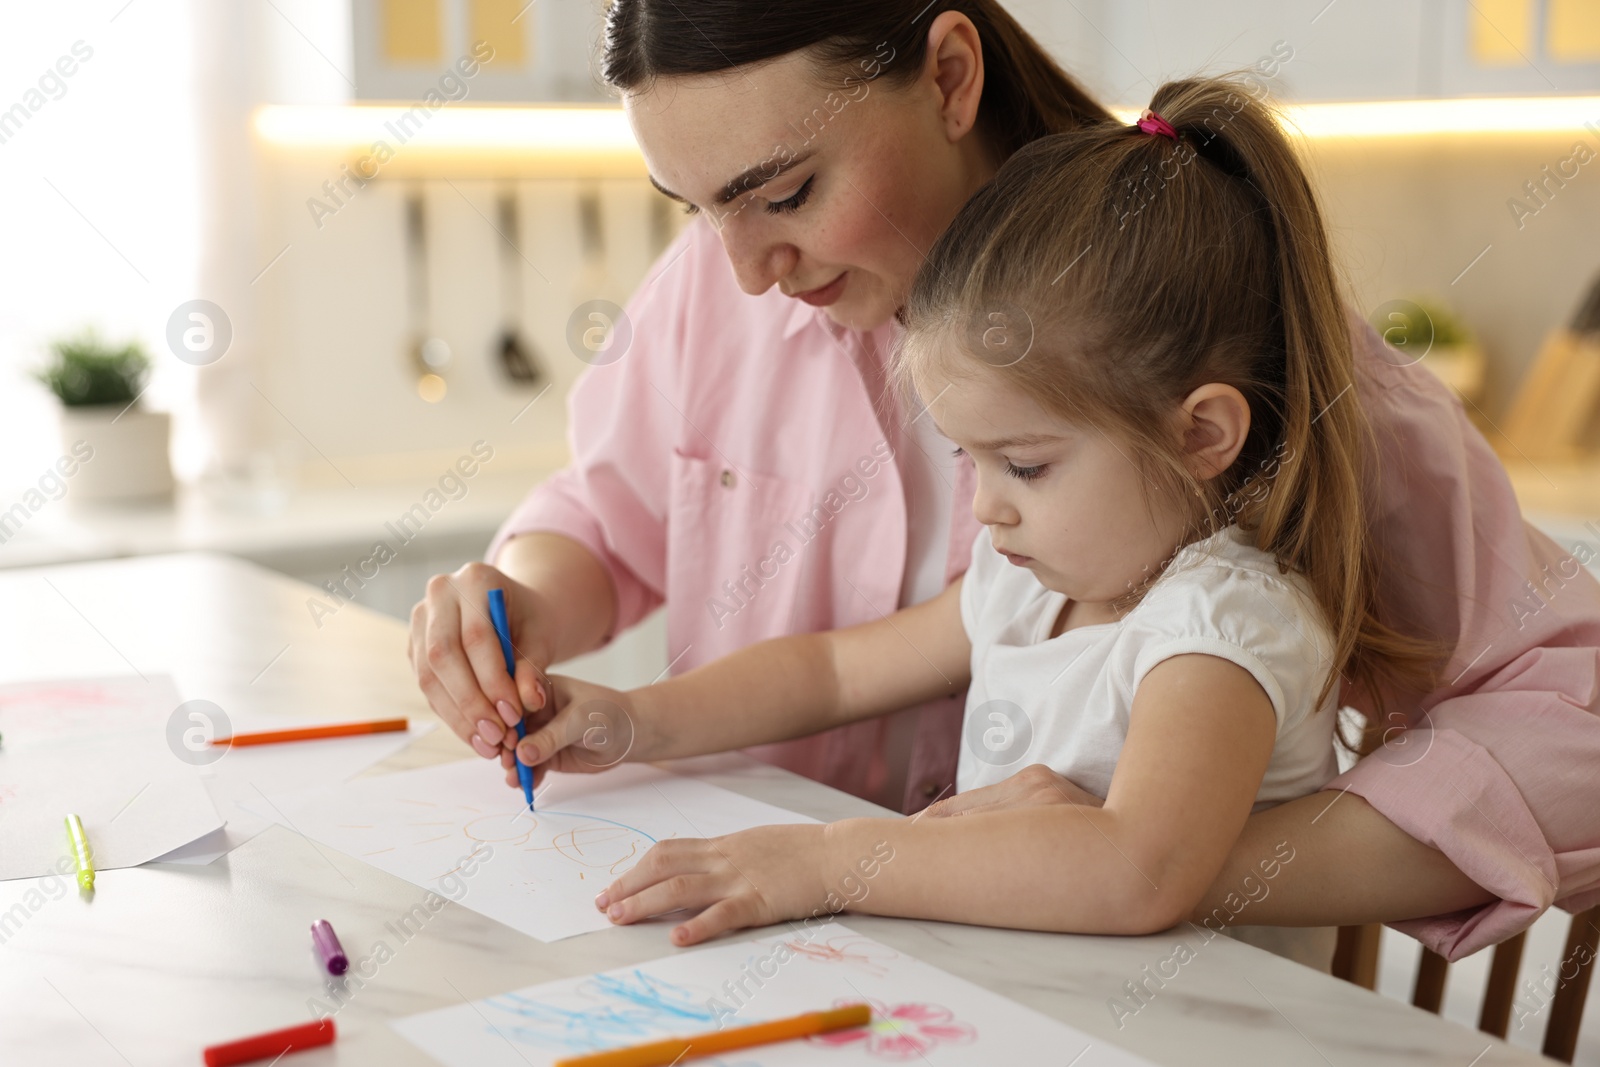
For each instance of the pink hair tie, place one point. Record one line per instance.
(1150, 122)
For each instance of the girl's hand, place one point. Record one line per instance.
(1031, 787)
(585, 728)
(751, 878)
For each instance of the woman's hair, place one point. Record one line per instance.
(1108, 272)
(1026, 94)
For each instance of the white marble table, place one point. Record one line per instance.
(166, 959)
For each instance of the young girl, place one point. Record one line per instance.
(1135, 334)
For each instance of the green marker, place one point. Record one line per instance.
(80, 848)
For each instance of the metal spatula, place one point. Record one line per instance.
(516, 355)
(430, 354)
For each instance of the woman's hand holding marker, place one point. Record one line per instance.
(457, 658)
(587, 727)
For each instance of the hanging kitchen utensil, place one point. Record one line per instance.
(665, 220)
(516, 355)
(592, 282)
(430, 354)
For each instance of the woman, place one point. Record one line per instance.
(743, 464)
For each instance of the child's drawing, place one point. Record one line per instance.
(604, 1011)
(718, 987)
(900, 1031)
(860, 952)
(587, 842)
(66, 695)
(67, 709)
(456, 829)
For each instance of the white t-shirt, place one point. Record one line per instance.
(1065, 701)
(1221, 596)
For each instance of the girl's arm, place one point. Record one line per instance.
(1199, 740)
(778, 689)
(1351, 864)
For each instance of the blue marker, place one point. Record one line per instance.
(502, 628)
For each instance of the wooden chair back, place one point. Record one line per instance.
(1356, 960)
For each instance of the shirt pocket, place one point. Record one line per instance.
(733, 560)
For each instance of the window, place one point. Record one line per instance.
(98, 176)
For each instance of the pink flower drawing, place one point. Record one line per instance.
(901, 1032)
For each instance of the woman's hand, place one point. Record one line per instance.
(585, 728)
(751, 878)
(1033, 786)
(457, 659)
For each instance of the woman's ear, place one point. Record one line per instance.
(1215, 422)
(955, 67)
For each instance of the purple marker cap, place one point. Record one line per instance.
(328, 947)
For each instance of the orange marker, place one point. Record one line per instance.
(674, 1049)
(312, 733)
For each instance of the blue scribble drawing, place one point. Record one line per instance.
(620, 1010)
(596, 818)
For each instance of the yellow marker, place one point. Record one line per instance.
(80, 848)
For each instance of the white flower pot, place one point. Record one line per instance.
(130, 461)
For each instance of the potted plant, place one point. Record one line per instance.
(1432, 334)
(99, 385)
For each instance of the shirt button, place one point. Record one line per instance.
(929, 788)
(727, 479)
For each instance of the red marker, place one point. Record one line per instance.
(265, 1046)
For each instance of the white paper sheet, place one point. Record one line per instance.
(920, 1014)
(95, 748)
(111, 736)
(541, 871)
(245, 775)
(132, 812)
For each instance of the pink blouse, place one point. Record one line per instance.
(735, 463)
